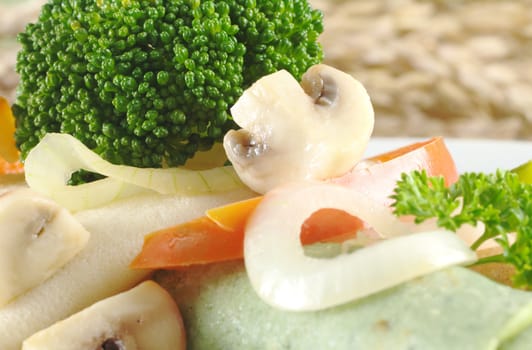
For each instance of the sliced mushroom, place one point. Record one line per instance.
(37, 237)
(145, 317)
(101, 269)
(314, 130)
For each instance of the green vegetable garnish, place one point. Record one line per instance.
(500, 200)
(148, 83)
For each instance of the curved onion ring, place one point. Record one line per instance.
(286, 278)
(50, 164)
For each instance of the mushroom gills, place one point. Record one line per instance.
(244, 144)
(321, 89)
(145, 317)
(37, 237)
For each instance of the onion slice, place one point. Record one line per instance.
(286, 278)
(50, 164)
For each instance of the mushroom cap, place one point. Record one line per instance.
(290, 131)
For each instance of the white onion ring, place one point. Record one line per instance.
(50, 164)
(286, 278)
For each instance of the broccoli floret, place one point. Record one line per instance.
(149, 83)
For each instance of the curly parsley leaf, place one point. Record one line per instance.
(499, 200)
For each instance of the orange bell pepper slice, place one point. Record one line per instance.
(219, 235)
(9, 154)
(233, 216)
(379, 178)
(195, 242)
(202, 240)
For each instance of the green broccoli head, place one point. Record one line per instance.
(149, 83)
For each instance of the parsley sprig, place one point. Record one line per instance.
(499, 200)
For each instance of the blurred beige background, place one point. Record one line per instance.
(460, 68)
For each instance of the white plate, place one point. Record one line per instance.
(480, 155)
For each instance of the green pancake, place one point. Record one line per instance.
(451, 309)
